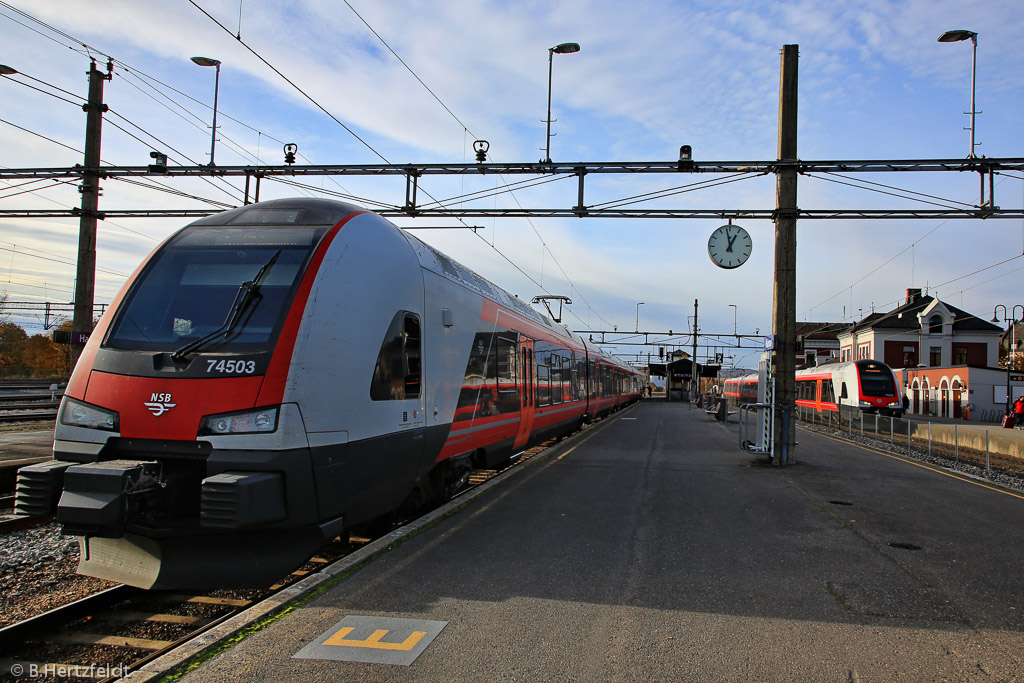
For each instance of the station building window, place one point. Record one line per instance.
(959, 355)
(935, 356)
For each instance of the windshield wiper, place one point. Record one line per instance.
(247, 293)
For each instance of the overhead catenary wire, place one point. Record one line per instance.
(55, 259)
(892, 258)
(92, 50)
(944, 203)
(111, 112)
(466, 128)
(339, 122)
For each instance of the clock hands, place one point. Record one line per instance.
(731, 239)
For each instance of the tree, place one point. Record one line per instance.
(43, 358)
(12, 349)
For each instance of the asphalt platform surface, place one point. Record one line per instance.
(653, 549)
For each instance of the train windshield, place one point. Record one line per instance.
(223, 287)
(876, 380)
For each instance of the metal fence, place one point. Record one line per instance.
(969, 444)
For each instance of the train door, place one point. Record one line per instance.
(527, 391)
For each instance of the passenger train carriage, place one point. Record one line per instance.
(274, 375)
(864, 385)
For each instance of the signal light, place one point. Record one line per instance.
(159, 164)
(685, 157)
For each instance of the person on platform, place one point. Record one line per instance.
(1018, 411)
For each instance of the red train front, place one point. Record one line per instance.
(274, 375)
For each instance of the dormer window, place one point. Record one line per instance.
(935, 324)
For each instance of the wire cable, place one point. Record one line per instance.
(40, 135)
(466, 128)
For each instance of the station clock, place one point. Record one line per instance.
(729, 246)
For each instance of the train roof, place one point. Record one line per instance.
(291, 211)
(311, 211)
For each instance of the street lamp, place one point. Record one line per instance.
(734, 309)
(955, 37)
(638, 316)
(6, 70)
(206, 61)
(1012, 320)
(561, 49)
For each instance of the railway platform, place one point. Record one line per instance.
(650, 548)
(20, 448)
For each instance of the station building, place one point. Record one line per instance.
(947, 358)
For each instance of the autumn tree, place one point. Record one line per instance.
(43, 358)
(12, 349)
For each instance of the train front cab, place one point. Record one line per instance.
(878, 389)
(211, 442)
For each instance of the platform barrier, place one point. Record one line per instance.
(762, 421)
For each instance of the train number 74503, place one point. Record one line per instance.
(238, 367)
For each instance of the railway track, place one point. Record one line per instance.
(110, 633)
(42, 415)
(25, 401)
(107, 634)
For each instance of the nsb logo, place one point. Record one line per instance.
(159, 404)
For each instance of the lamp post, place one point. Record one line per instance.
(1011, 320)
(955, 37)
(206, 61)
(561, 49)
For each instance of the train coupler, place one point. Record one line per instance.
(101, 498)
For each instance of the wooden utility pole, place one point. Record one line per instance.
(784, 303)
(85, 283)
(694, 379)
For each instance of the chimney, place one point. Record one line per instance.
(913, 294)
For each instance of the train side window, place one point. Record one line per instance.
(397, 375)
(842, 391)
(507, 364)
(543, 380)
(591, 380)
(556, 377)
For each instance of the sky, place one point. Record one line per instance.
(418, 82)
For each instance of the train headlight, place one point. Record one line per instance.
(79, 414)
(259, 421)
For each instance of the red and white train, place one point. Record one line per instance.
(865, 385)
(276, 374)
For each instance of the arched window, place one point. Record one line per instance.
(935, 324)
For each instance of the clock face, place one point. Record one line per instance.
(729, 246)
